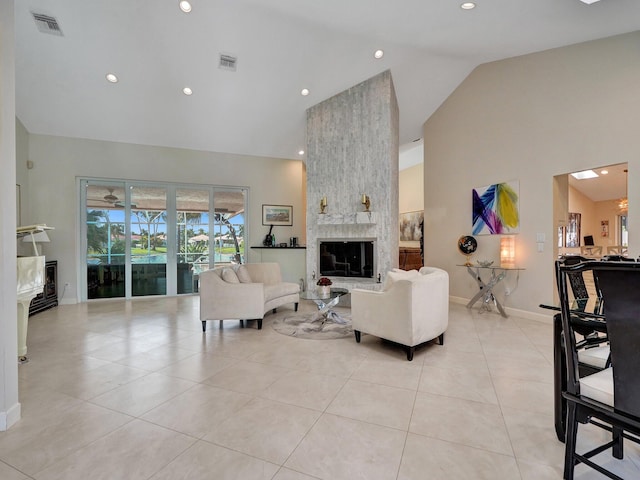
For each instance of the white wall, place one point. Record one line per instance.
(22, 155)
(608, 210)
(411, 154)
(411, 194)
(9, 406)
(589, 224)
(58, 161)
(530, 118)
(411, 189)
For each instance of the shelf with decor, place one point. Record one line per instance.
(299, 247)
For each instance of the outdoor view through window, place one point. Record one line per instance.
(137, 246)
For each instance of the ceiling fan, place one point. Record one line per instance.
(112, 199)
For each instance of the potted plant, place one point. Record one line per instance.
(324, 286)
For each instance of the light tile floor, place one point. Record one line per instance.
(135, 390)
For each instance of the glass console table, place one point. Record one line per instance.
(326, 303)
(485, 288)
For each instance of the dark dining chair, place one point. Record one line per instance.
(589, 334)
(592, 338)
(617, 258)
(610, 398)
(576, 279)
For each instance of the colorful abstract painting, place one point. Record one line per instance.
(495, 209)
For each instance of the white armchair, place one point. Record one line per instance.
(412, 309)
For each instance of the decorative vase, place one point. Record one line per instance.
(324, 290)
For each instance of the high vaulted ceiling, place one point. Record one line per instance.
(282, 46)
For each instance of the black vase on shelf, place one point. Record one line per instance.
(269, 240)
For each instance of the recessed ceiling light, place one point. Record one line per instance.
(111, 78)
(187, 91)
(468, 6)
(185, 6)
(378, 54)
(589, 2)
(304, 92)
(604, 172)
(584, 174)
(301, 152)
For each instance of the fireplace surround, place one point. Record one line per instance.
(352, 149)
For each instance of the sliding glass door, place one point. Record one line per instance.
(148, 245)
(142, 239)
(229, 226)
(193, 218)
(105, 239)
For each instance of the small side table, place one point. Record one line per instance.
(486, 288)
(326, 303)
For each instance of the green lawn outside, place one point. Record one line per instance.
(144, 251)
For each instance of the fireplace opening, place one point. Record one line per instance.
(346, 258)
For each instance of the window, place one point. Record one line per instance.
(623, 234)
(142, 239)
(573, 231)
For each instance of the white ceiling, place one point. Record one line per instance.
(610, 186)
(282, 46)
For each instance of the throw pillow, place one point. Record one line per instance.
(229, 276)
(243, 274)
(395, 275)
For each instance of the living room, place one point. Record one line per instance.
(504, 140)
(529, 118)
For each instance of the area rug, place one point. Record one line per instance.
(313, 326)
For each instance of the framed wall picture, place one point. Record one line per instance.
(496, 209)
(560, 236)
(572, 232)
(277, 215)
(410, 226)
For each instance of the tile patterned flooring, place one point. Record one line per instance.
(134, 390)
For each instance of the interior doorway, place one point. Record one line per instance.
(590, 211)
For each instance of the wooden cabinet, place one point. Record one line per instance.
(410, 258)
(49, 297)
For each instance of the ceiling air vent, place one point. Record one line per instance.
(228, 62)
(47, 24)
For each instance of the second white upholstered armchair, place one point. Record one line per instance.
(412, 309)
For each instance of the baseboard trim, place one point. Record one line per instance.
(10, 417)
(538, 317)
(458, 300)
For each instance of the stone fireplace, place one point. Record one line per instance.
(352, 149)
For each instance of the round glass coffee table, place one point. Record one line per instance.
(325, 304)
